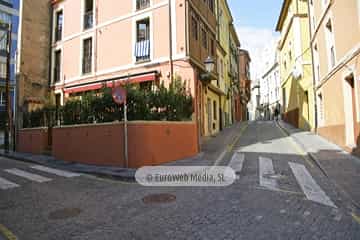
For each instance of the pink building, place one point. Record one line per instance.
(96, 42)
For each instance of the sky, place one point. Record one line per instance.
(255, 22)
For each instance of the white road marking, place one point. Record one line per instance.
(237, 161)
(266, 169)
(220, 158)
(29, 176)
(5, 184)
(311, 189)
(57, 172)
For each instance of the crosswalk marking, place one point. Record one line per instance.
(57, 172)
(5, 184)
(311, 189)
(266, 169)
(237, 162)
(27, 175)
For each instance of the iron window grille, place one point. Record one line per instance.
(142, 46)
(142, 4)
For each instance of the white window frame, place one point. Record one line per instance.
(321, 108)
(2, 101)
(358, 9)
(59, 91)
(325, 4)
(82, 38)
(82, 13)
(134, 36)
(316, 63)
(330, 41)
(53, 65)
(59, 9)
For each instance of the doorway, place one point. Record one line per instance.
(350, 110)
(209, 110)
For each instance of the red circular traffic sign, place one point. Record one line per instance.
(119, 95)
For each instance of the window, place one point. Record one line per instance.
(142, 4)
(211, 5)
(5, 17)
(87, 56)
(330, 44)
(321, 109)
(142, 48)
(204, 37)
(88, 14)
(316, 63)
(2, 98)
(3, 41)
(58, 25)
(194, 26)
(215, 110)
(3, 70)
(212, 47)
(284, 98)
(57, 66)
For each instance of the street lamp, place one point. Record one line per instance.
(209, 64)
(209, 67)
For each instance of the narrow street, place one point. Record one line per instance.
(279, 194)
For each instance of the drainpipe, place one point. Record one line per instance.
(96, 15)
(187, 43)
(170, 44)
(51, 25)
(313, 70)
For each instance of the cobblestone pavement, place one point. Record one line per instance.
(279, 194)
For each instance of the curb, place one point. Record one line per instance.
(122, 174)
(308, 154)
(322, 169)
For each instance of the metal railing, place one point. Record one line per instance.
(142, 50)
(142, 4)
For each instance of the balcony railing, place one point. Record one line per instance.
(142, 4)
(88, 20)
(142, 50)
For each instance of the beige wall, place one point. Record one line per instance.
(332, 84)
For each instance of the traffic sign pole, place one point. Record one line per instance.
(119, 96)
(126, 137)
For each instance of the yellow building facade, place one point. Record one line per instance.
(225, 20)
(296, 65)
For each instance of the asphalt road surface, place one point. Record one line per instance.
(279, 194)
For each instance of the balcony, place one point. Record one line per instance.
(88, 20)
(142, 51)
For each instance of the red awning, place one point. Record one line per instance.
(95, 86)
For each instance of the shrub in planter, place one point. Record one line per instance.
(161, 104)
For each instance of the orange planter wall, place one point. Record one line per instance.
(34, 141)
(149, 143)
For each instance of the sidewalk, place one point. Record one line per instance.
(341, 167)
(212, 149)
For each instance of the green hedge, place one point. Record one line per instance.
(163, 104)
